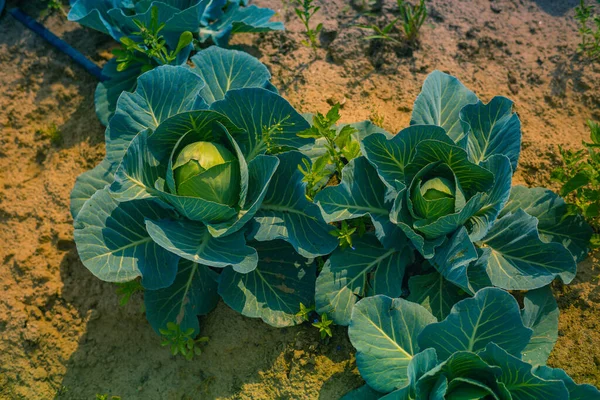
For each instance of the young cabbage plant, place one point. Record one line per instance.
(579, 178)
(200, 195)
(486, 348)
(155, 33)
(445, 220)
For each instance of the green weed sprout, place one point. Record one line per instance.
(305, 312)
(127, 289)
(51, 6)
(412, 17)
(590, 36)
(151, 50)
(579, 176)
(305, 11)
(347, 229)
(339, 145)
(411, 20)
(181, 342)
(324, 326)
(53, 133)
(107, 397)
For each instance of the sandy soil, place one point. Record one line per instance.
(62, 332)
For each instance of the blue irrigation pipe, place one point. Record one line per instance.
(56, 42)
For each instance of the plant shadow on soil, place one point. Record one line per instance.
(557, 8)
(119, 353)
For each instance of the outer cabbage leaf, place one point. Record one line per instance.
(391, 155)
(177, 18)
(452, 259)
(273, 291)
(365, 392)
(493, 315)
(576, 392)
(89, 183)
(518, 379)
(114, 245)
(492, 128)
(435, 293)
(494, 199)
(421, 363)
(345, 277)
(540, 313)
(160, 94)
(94, 14)
(384, 332)
(440, 102)
(238, 19)
(193, 293)
(192, 241)
(515, 257)
(286, 214)
(464, 369)
(555, 225)
(138, 172)
(268, 120)
(108, 91)
(225, 70)
(361, 192)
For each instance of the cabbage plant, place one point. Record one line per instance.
(443, 219)
(160, 32)
(486, 348)
(200, 195)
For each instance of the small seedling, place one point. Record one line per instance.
(340, 149)
(127, 289)
(62, 390)
(324, 326)
(349, 228)
(411, 17)
(385, 33)
(305, 11)
(305, 312)
(53, 133)
(579, 176)
(52, 6)
(376, 118)
(590, 36)
(107, 397)
(150, 50)
(181, 342)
